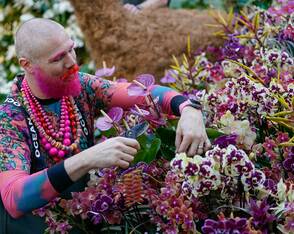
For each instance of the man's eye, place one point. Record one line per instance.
(56, 60)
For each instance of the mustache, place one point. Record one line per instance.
(73, 70)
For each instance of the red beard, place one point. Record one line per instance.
(67, 85)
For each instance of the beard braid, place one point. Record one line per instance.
(66, 85)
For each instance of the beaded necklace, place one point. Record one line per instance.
(57, 142)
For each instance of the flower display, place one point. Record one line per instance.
(244, 183)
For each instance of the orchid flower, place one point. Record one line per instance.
(138, 111)
(169, 77)
(108, 120)
(140, 85)
(105, 71)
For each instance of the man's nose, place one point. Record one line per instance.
(70, 60)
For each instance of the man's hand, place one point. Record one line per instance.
(117, 151)
(191, 136)
(132, 8)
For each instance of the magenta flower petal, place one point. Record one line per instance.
(136, 90)
(105, 72)
(146, 79)
(103, 124)
(115, 113)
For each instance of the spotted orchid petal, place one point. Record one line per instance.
(225, 141)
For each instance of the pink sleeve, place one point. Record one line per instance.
(116, 94)
(22, 193)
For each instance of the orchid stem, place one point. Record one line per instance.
(152, 178)
(104, 64)
(155, 106)
(140, 84)
(126, 124)
(106, 116)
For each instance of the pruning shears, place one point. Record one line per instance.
(137, 130)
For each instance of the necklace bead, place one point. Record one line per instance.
(57, 142)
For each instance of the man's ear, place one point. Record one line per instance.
(26, 65)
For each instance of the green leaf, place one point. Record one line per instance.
(212, 133)
(265, 4)
(2, 97)
(167, 137)
(109, 133)
(256, 22)
(150, 146)
(126, 228)
(155, 146)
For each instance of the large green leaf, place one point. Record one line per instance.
(167, 137)
(150, 146)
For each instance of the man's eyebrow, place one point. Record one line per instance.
(60, 54)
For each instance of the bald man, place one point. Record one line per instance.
(46, 126)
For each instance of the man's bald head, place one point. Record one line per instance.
(33, 35)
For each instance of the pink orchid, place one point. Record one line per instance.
(169, 77)
(106, 122)
(138, 111)
(140, 86)
(105, 72)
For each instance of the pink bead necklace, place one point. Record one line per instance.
(57, 142)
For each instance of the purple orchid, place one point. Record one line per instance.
(225, 141)
(105, 72)
(260, 213)
(138, 111)
(236, 225)
(289, 163)
(96, 218)
(169, 77)
(232, 48)
(102, 204)
(63, 227)
(140, 86)
(100, 208)
(114, 115)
